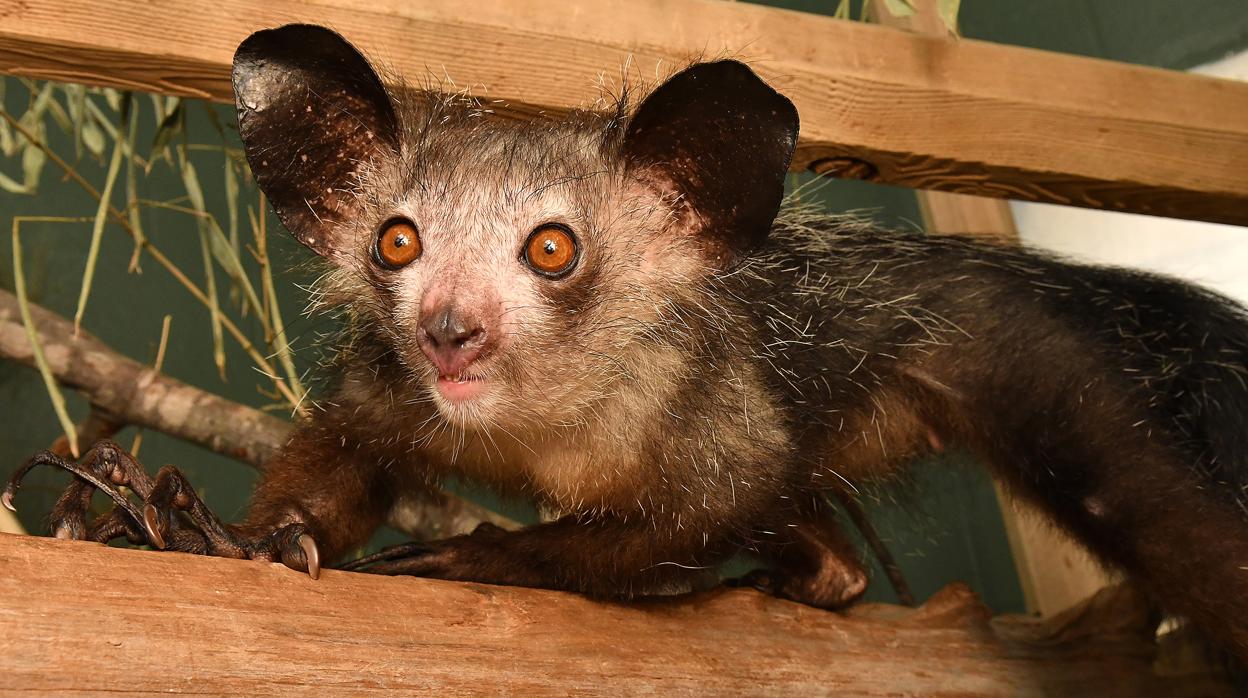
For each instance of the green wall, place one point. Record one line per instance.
(126, 310)
(948, 527)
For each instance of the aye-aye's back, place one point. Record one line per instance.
(1016, 340)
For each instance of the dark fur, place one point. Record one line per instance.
(1115, 400)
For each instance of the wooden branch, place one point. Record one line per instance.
(878, 103)
(131, 393)
(83, 617)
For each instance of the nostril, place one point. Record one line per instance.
(450, 330)
(453, 345)
(476, 336)
(460, 330)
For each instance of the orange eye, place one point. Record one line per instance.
(551, 250)
(398, 245)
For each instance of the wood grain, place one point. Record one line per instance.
(80, 618)
(920, 111)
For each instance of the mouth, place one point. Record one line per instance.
(460, 387)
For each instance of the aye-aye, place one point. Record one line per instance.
(614, 314)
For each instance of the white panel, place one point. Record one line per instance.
(1210, 254)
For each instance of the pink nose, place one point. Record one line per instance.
(452, 338)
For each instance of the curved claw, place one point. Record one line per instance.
(152, 522)
(311, 555)
(294, 547)
(15, 482)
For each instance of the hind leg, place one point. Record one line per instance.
(821, 568)
(1144, 509)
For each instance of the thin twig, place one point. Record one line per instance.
(97, 226)
(859, 516)
(273, 311)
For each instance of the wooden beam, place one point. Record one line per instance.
(81, 617)
(918, 111)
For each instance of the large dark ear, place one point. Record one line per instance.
(723, 139)
(310, 110)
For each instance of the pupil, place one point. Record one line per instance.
(550, 247)
(400, 240)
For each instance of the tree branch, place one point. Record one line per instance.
(136, 394)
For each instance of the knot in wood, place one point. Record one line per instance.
(845, 168)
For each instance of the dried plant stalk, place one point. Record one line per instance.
(23, 304)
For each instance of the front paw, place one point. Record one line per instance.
(169, 515)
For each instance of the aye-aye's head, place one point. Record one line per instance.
(515, 268)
